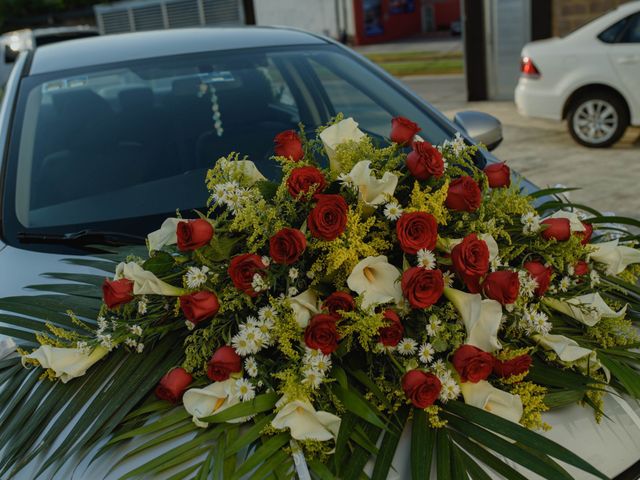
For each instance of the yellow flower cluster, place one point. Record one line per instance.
(532, 397)
(426, 200)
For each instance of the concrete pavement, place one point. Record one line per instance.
(543, 151)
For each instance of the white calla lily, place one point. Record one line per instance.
(372, 191)
(570, 352)
(145, 282)
(165, 235)
(339, 133)
(447, 244)
(304, 306)
(588, 309)
(376, 280)
(7, 346)
(485, 396)
(66, 363)
(214, 398)
(575, 224)
(481, 318)
(615, 257)
(305, 422)
(250, 173)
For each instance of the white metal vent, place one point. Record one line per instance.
(138, 15)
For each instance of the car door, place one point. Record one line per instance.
(624, 55)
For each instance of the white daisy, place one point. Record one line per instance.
(392, 211)
(440, 369)
(426, 259)
(407, 346)
(267, 313)
(102, 324)
(565, 283)
(196, 277)
(292, 291)
(130, 342)
(251, 366)
(106, 341)
(142, 305)
(140, 347)
(241, 344)
(595, 278)
(293, 273)
(530, 222)
(266, 261)
(189, 324)
(83, 347)
(245, 390)
(450, 390)
(136, 330)
(433, 327)
(346, 181)
(528, 284)
(426, 352)
(258, 283)
(448, 278)
(313, 377)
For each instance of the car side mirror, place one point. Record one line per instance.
(481, 127)
(10, 55)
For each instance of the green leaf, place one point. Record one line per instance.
(563, 397)
(320, 470)
(628, 377)
(356, 462)
(163, 422)
(339, 374)
(218, 462)
(270, 466)
(388, 448)
(443, 455)
(522, 435)
(259, 404)
(620, 220)
(347, 427)
(249, 436)
(503, 447)
(423, 440)
(473, 469)
(160, 264)
(266, 450)
(267, 189)
(486, 457)
(556, 205)
(358, 406)
(550, 191)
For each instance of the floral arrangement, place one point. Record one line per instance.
(371, 288)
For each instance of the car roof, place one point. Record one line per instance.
(87, 52)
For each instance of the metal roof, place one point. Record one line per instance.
(106, 49)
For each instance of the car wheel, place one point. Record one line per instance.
(597, 120)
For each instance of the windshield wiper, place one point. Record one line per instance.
(82, 238)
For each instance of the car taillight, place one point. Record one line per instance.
(528, 68)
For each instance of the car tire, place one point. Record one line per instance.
(597, 119)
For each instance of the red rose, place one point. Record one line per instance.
(403, 130)
(288, 145)
(586, 235)
(416, 231)
(328, 218)
(287, 246)
(337, 302)
(223, 363)
(515, 366)
(464, 195)
(472, 364)
(302, 179)
(422, 287)
(502, 286)
(242, 268)
(421, 388)
(199, 306)
(541, 274)
(117, 292)
(425, 161)
(581, 268)
(471, 260)
(321, 333)
(193, 234)
(173, 385)
(558, 228)
(391, 334)
(499, 175)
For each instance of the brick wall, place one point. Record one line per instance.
(570, 14)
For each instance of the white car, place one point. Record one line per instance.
(591, 78)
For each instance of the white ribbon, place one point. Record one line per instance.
(627, 409)
(299, 461)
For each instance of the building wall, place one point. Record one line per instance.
(317, 16)
(379, 21)
(571, 14)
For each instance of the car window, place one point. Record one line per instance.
(116, 148)
(611, 34)
(632, 33)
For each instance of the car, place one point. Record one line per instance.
(12, 43)
(103, 138)
(588, 78)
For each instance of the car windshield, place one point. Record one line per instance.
(116, 147)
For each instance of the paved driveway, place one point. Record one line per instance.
(544, 152)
